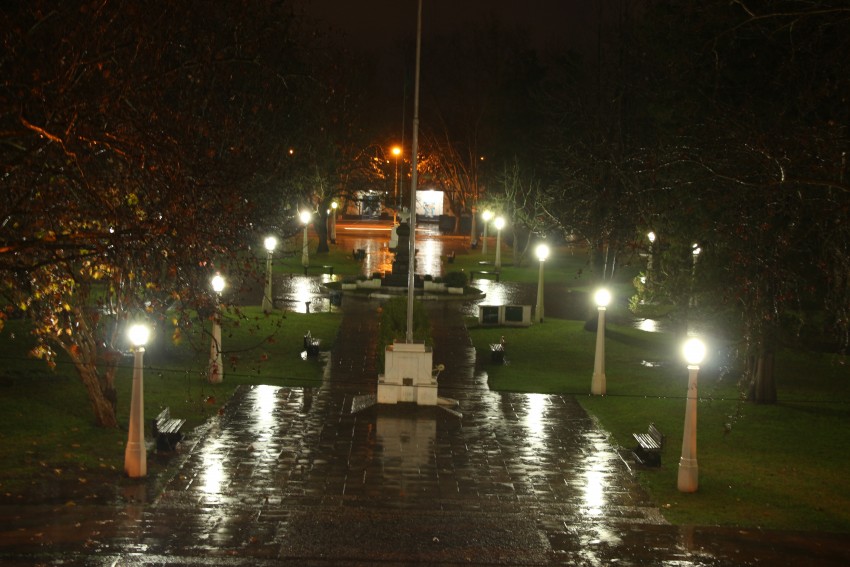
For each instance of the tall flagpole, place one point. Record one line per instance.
(414, 180)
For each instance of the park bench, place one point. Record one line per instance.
(328, 270)
(484, 274)
(311, 345)
(166, 430)
(497, 353)
(648, 450)
(450, 257)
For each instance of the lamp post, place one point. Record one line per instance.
(651, 236)
(334, 206)
(135, 455)
(305, 217)
(499, 223)
(597, 384)
(216, 373)
(696, 252)
(396, 151)
(694, 350)
(542, 252)
(270, 243)
(485, 216)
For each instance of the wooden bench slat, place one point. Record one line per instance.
(166, 430)
(648, 451)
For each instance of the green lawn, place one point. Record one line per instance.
(287, 258)
(47, 435)
(774, 466)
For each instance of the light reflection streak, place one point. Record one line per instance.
(265, 400)
(214, 475)
(428, 258)
(594, 492)
(534, 418)
(493, 291)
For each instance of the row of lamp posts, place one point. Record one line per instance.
(694, 353)
(135, 454)
(693, 350)
(135, 463)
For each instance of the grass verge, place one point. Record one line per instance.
(49, 444)
(770, 466)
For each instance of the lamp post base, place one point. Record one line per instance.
(688, 475)
(597, 385)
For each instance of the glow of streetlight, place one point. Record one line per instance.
(305, 217)
(396, 151)
(217, 283)
(694, 351)
(135, 454)
(602, 297)
(598, 385)
(270, 243)
(542, 252)
(139, 335)
(651, 236)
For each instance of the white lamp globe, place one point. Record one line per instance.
(139, 334)
(218, 283)
(499, 223)
(602, 297)
(270, 243)
(694, 351)
(542, 252)
(305, 216)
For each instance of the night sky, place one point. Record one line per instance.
(379, 24)
(385, 30)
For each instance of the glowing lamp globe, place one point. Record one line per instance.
(602, 297)
(139, 335)
(694, 351)
(542, 252)
(218, 283)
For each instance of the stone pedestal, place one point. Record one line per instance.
(408, 375)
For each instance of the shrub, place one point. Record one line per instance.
(455, 279)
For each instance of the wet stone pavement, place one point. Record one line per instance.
(294, 476)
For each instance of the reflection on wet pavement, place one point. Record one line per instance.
(295, 476)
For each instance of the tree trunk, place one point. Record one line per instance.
(321, 228)
(763, 382)
(597, 260)
(102, 396)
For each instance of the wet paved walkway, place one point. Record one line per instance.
(292, 476)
